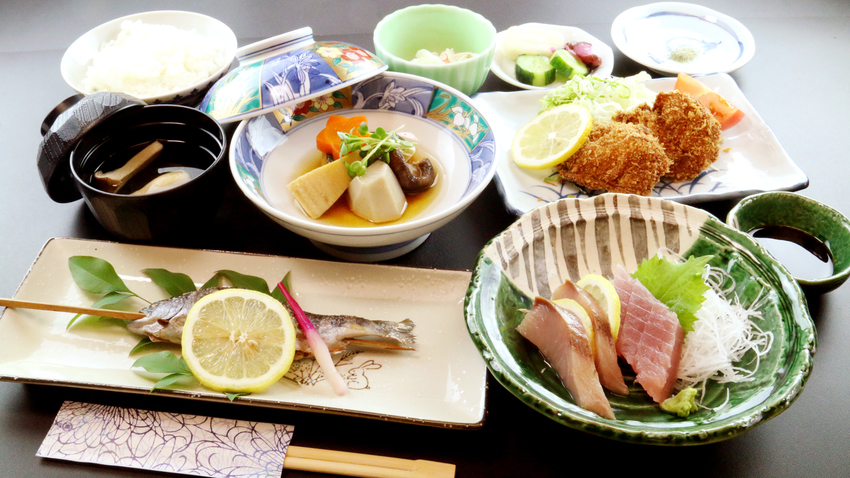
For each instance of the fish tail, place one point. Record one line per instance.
(402, 331)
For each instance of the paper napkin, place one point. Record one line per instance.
(166, 442)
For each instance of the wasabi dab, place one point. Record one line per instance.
(682, 404)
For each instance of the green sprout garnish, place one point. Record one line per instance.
(371, 147)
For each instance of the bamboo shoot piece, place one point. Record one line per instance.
(319, 189)
(113, 180)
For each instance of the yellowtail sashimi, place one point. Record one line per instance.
(564, 342)
(606, 351)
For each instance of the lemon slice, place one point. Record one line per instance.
(606, 295)
(583, 316)
(552, 137)
(238, 340)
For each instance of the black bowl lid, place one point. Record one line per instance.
(64, 127)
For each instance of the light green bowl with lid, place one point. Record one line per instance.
(435, 28)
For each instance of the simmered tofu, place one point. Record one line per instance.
(376, 196)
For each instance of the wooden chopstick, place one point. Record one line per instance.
(112, 314)
(361, 465)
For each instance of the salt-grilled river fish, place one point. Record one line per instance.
(164, 320)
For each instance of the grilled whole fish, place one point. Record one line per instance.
(164, 321)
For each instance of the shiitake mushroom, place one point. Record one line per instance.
(414, 175)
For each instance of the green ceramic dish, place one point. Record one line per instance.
(791, 210)
(399, 35)
(573, 237)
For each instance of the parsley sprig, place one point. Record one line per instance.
(371, 146)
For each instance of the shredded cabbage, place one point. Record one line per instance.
(604, 97)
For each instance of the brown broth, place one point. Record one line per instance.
(340, 214)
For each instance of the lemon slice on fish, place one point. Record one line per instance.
(583, 316)
(606, 295)
(238, 340)
(552, 137)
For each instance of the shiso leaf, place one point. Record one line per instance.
(679, 286)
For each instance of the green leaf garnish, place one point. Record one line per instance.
(95, 275)
(287, 282)
(233, 396)
(239, 280)
(165, 362)
(109, 299)
(143, 344)
(174, 283)
(162, 362)
(372, 147)
(678, 285)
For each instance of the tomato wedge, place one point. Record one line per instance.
(724, 112)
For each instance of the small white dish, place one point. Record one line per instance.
(505, 68)
(672, 38)
(751, 158)
(442, 383)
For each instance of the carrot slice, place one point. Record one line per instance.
(328, 140)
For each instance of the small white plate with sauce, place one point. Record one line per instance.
(505, 68)
(671, 38)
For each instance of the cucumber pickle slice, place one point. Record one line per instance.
(534, 70)
(568, 64)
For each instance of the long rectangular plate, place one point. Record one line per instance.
(442, 383)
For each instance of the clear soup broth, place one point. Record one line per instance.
(175, 156)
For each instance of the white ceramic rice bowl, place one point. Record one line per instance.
(78, 57)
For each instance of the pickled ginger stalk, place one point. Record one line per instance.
(317, 345)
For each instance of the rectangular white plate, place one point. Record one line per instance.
(442, 383)
(751, 158)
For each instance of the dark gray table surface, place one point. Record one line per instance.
(798, 81)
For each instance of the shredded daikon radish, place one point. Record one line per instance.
(724, 333)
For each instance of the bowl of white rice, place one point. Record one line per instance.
(158, 57)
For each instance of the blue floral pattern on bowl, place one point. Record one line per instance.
(288, 78)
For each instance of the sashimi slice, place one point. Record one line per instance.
(606, 352)
(650, 336)
(564, 343)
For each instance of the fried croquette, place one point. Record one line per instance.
(688, 132)
(617, 157)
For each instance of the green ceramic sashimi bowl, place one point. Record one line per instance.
(570, 238)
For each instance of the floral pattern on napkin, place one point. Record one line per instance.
(166, 442)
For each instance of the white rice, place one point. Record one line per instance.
(150, 60)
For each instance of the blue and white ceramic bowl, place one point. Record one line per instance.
(286, 70)
(673, 37)
(269, 151)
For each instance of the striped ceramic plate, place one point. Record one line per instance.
(569, 238)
